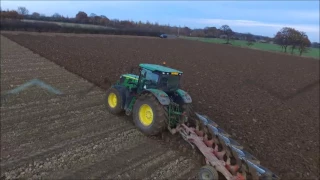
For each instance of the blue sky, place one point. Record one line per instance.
(257, 17)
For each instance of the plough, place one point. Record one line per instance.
(157, 103)
(222, 154)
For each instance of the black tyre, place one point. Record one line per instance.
(149, 115)
(114, 101)
(208, 173)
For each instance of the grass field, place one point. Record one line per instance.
(313, 52)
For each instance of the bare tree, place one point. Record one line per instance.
(93, 18)
(250, 39)
(282, 38)
(227, 31)
(93, 15)
(10, 15)
(186, 31)
(198, 33)
(56, 15)
(82, 17)
(304, 43)
(294, 38)
(35, 15)
(23, 11)
(211, 31)
(291, 37)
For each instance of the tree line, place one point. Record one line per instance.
(295, 39)
(94, 19)
(83, 18)
(286, 37)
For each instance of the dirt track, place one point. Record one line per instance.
(71, 135)
(269, 102)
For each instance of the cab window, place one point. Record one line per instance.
(152, 76)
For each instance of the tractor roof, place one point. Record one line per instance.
(156, 67)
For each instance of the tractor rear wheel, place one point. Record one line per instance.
(149, 115)
(113, 101)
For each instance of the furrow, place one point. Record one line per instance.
(12, 126)
(148, 167)
(30, 105)
(54, 108)
(21, 55)
(62, 86)
(13, 83)
(137, 165)
(77, 157)
(169, 169)
(30, 70)
(100, 169)
(100, 140)
(18, 65)
(185, 171)
(42, 77)
(46, 130)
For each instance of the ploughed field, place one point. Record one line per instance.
(72, 136)
(268, 102)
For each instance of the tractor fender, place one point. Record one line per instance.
(162, 97)
(122, 91)
(184, 95)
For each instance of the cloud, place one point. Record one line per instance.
(302, 15)
(249, 23)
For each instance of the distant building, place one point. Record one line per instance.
(262, 41)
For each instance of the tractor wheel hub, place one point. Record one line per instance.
(146, 114)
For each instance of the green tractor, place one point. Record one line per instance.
(153, 98)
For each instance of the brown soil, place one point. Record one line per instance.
(72, 136)
(268, 102)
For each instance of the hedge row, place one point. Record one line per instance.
(16, 25)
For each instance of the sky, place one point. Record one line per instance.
(257, 17)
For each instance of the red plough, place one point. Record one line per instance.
(223, 155)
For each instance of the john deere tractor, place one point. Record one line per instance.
(153, 98)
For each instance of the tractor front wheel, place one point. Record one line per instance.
(113, 101)
(149, 115)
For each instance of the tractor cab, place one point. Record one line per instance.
(153, 76)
